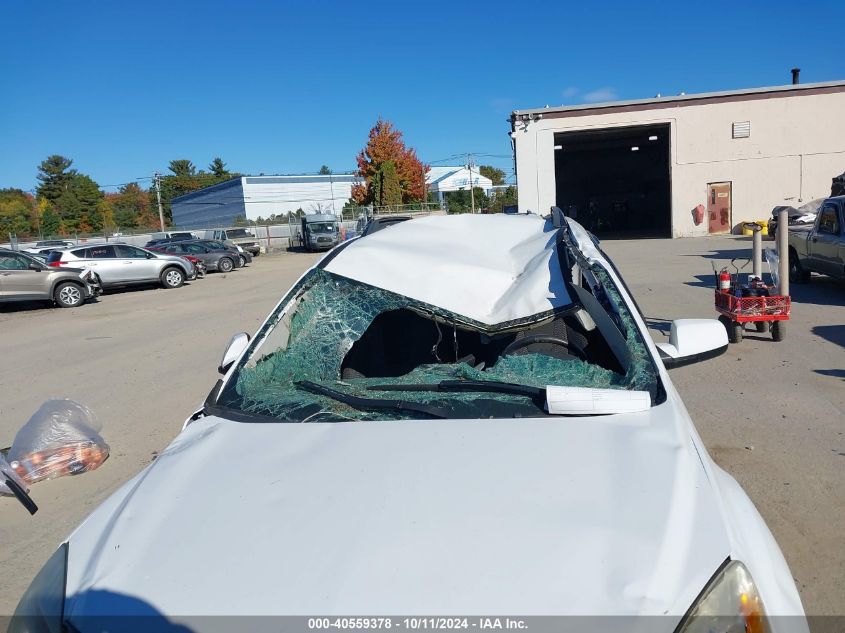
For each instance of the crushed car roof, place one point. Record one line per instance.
(490, 268)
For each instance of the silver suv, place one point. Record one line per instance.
(119, 264)
(23, 278)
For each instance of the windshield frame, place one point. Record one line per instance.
(568, 255)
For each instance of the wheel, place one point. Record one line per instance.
(734, 331)
(68, 295)
(225, 265)
(797, 274)
(172, 278)
(241, 261)
(778, 330)
(762, 326)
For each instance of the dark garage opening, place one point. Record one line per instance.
(616, 181)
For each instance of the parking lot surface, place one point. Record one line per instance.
(771, 414)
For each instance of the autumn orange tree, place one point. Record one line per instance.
(385, 152)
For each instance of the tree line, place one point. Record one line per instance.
(67, 202)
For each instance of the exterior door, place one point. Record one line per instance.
(103, 261)
(18, 280)
(826, 241)
(135, 264)
(719, 207)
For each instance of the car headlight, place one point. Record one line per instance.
(729, 604)
(41, 608)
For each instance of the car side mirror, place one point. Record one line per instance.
(693, 340)
(150, 256)
(237, 344)
(34, 266)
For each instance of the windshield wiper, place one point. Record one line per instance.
(372, 404)
(537, 394)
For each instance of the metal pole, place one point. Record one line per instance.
(757, 251)
(157, 181)
(783, 252)
(471, 188)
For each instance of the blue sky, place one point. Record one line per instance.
(284, 87)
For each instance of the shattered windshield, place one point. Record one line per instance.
(361, 341)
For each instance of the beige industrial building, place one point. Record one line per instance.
(683, 165)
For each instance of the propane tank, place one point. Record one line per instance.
(724, 280)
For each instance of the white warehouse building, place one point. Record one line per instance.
(683, 165)
(251, 197)
(440, 180)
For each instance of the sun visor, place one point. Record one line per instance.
(490, 268)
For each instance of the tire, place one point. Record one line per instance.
(734, 329)
(797, 274)
(69, 295)
(778, 331)
(762, 326)
(241, 261)
(172, 277)
(225, 265)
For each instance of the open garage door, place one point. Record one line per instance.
(616, 181)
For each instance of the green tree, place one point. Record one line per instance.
(50, 222)
(54, 176)
(218, 167)
(503, 198)
(15, 212)
(494, 174)
(324, 170)
(79, 205)
(387, 191)
(461, 201)
(182, 167)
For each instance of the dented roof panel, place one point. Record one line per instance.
(491, 269)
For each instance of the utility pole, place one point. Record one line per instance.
(471, 188)
(157, 182)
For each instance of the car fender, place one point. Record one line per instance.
(79, 282)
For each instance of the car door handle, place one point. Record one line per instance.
(126, 263)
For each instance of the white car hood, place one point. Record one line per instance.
(608, 515)
(490, 268)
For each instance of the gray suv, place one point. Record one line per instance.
(23, 278)
(119, 264)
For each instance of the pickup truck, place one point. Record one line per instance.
(234, 237)
(821, 247)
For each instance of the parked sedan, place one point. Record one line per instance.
(461, 415)
(124, 265)
(219, 260)
(25, 278)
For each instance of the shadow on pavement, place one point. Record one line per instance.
(833, 373)
(823, 291)
(833, 333)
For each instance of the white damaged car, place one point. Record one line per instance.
(456, 415)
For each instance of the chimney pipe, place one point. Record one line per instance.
(795, 73)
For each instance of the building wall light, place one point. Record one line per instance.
(635, 149)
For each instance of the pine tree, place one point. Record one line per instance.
(217, 167)
(54, 176)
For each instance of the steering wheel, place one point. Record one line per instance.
(531, 339)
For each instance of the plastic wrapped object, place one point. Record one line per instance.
(59, 439)
(773, 260)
